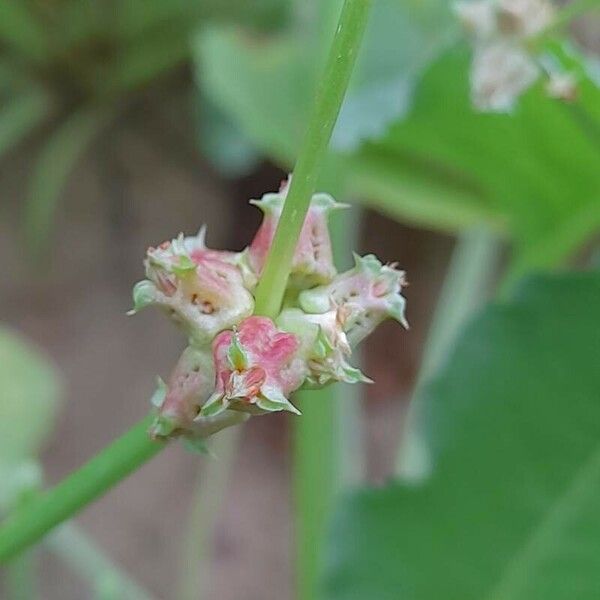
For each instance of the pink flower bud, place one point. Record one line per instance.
(365, 295)
(179, 402)
(256, 369)
(323, 345)
(202, 290)
(313, 259)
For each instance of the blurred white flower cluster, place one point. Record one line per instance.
(239, 364)
(504, 63)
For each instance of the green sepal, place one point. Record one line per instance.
(196, 445)
(237, 356)
(158, 397)
(184, 266)
(354, 375)
(213, 406)
(162, 426)
(144, 294)
(269, 202)
(274, 401)
(322, 346)
(396, 311)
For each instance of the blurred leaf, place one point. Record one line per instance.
(20, 31)
(402, 37)
(147, 59)
(513, 421)
(538, 169)
(263, 83)
(142, 17)
(55, 163)
(223, 144)
(20, 116)
(419, 191)
(29, 388)
(533, 174)
(268, 88)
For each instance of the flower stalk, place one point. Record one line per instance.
(126, 454)
(330, 94)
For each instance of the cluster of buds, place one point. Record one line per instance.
(505, 62)
(238, 364)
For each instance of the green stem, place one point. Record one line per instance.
(126, 454)
(20, 577)
(81, 554)
(327, 451)
(207, 501)
(464, 290)
(330, 93)
(313, 483)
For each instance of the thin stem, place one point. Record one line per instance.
(20, 577)
(464, 290)
(330, 93)
(80, 553)
(314, 484)
(126, 454)
(327, 450)
(207, 501)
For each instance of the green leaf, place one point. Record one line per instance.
(20, 116)
(55, 163)
(535, 171)
(533, 175)
(401, 39)
(222, 142)
(513, 422)
(29, 388)
(21, 31)
(264, 84)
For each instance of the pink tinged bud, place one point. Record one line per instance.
(256, 369)
(202, 290)
(179, 402)
(313, 258)
(323, 345)
(364, 296)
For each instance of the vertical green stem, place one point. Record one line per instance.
(330, 94)
(314, 471)
(327, 451)
(207, 500)
(464, 289)
(119, 459)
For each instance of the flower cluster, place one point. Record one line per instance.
(505, 63)
(238, 364)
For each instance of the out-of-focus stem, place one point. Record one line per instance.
(207, 500)
(20, 580)
(464, 290)
(80, 553)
